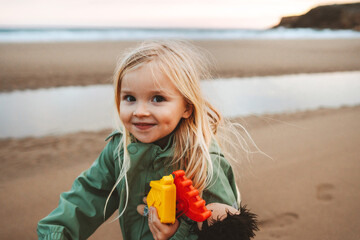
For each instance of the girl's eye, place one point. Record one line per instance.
(129, 98)
(158, 98)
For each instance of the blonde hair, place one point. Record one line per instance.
(185, 66)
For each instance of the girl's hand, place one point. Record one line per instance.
(160, 231)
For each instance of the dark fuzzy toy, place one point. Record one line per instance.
(240, 226)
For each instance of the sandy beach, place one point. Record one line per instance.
(308, 190)
(34, 65)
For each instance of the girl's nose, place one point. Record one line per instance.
(141, 111)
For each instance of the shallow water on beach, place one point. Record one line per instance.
(11, 35)
(71, 109)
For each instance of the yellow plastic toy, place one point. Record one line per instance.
(163, 196)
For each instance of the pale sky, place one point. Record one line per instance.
(257, 14)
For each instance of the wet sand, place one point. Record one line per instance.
(35, 65)
(311, 183)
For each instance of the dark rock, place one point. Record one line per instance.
(337, 16)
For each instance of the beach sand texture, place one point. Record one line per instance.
(308, 190)
(35, 65)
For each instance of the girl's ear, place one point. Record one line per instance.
(188, 111)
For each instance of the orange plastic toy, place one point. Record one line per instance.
(188, 201)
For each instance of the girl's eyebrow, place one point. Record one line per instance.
(125, 91)
(154, 92)
(158, 92)
(162, 93)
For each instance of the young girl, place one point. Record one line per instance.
(165, 124)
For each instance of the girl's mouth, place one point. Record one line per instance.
(143, 126)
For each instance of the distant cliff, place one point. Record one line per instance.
(337, 16)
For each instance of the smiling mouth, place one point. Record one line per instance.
(143, 126)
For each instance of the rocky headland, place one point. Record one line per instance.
(336, 16)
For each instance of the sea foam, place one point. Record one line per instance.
(118, 34)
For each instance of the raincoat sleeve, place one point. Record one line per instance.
(222, 189)
(81, 210)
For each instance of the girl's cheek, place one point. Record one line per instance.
(125, 109)
(124, 115)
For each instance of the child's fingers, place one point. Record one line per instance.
(154, 231)
(142, 209)
(165, 230)
(153, 217)
(160, 230)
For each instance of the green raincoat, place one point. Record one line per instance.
(80, 211)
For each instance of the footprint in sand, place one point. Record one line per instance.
(275, 228)
(324, 192)
(282, 220)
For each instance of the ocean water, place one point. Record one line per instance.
(63, 110)
(117, 34)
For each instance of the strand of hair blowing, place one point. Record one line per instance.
(193, 136)
(193, 139)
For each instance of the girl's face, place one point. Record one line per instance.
(150, 105)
